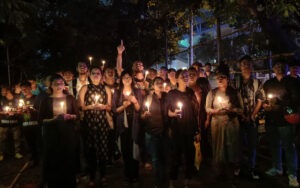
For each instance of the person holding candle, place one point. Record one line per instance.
(31, 129)
(59, 118)
(95, 101)
(153, 114)
(10, 122)
(224, 104)
(126, 105)
(183, 127)
(284, 101)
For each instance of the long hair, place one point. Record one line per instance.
(121, 81)
(52, 79)
(204, 85)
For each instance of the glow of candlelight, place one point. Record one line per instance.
(21, 103)
(97, 98)
(270, 96)
(90, 58)
(127, 93)
(165, 85)
(103, 62)
(179, 104)
(6, 108)
(147, 104)
(62, 106)
(220, 101)
(146, 73)
(112, 91)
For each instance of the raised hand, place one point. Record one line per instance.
(121, 48)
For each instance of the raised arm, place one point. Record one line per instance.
(120, 50)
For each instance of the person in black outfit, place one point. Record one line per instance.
(153, 114)
(31, 129)
(59, 115)
(183, 128)
(126, 105)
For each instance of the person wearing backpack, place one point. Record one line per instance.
(153, 114)
(224, 104)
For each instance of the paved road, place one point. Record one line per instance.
(204, 179)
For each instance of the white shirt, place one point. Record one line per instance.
(79, 85)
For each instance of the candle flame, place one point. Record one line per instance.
(147, 104)
(270, 96)
(90, 58)
(220, 99)
(179, 104)
(112, 91)
(103, 62)
(21, 103)
(97, 97)
(127, 93)
(6, 108)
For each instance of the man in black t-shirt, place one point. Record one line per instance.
(282, 98)
(30, 121)
(10, 117)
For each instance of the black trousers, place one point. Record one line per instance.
(33, 138)
(131, 165)
(182, 145)
(94, 163)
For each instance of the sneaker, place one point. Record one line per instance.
(254, 175)
(236, 172)
(274, 172)
(1, 157)
(18, 156)
(293, 182)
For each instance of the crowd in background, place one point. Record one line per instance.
(163, 119)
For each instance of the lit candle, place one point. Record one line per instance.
(165, 85)
(179, 104)
(220, 101)
(90, 58)
(270, 96)
(96, 99)
(146, 73)
(112, 91)
(21, 103)
(62, 106)
(147, 104)
(128, 93)
(6, 108)
(103, 62)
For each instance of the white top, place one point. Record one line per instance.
(79, 86)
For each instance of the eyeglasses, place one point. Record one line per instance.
(221, 77)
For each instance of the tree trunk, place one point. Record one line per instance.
(219, 39)
(166, 46)
(8, 65)
(191, 55)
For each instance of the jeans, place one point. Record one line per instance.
(156, 145)
(283, 137)
(248, 136)
(16, 131)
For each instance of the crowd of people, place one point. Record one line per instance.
(163, 119)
